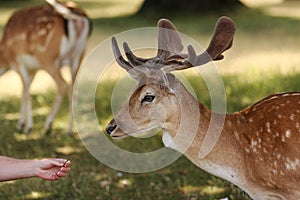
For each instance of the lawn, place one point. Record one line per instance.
(264, 60)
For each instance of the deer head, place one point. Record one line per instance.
(155, 102)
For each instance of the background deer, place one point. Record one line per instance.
(259, 147)
(44, 37)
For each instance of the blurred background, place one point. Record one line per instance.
(263, 60)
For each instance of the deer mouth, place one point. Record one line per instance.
(113, 130)
(116, 133)
(119, 136)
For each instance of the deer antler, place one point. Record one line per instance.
(169, 40)
(222, 38)
(134, 60)
(122, 62)
(220, 42)
(118, 56)
(169, 45)
(170, 48)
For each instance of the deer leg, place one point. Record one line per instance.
(70, 127)
(26, 105)
(73, 71)
(61, 87)
(21, 122)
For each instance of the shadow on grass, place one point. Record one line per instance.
(204, 23)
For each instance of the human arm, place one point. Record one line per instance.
(48, 169)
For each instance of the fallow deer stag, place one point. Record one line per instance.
(44, 37)
(259, 147)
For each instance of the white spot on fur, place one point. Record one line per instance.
(43, 47)
(274, 171)
(261, 158)
(288, 133)
(292, 165)
(282, 138)
(268, 127)
(237, 135)
(295, 94)
(264, 150)
(259, 140)
(286, 94)
(229, 123)
(253, 143)
(278, 156)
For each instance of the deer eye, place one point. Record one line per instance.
(148, 98)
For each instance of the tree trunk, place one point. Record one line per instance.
(187, 6)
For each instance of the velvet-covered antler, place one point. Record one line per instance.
(170, 47)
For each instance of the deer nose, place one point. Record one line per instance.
(111, 127)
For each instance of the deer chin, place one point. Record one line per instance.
(119, 136)
(143, 133)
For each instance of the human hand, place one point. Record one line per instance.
(52, 168)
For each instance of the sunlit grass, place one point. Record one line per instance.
(278, 8)
(258, 3)
(68, 150)
(37, 195)
(206, 190)
(23, 137)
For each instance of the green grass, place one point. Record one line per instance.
(252, 70)
(89, 179)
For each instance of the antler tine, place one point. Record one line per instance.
(134, 60)
(191, 55)
(119, 58)
(222, 38)
(220, 42)
(195, 60)
(191, 61)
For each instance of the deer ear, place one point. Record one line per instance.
(169, 40)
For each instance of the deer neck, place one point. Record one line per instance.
(188, 135)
